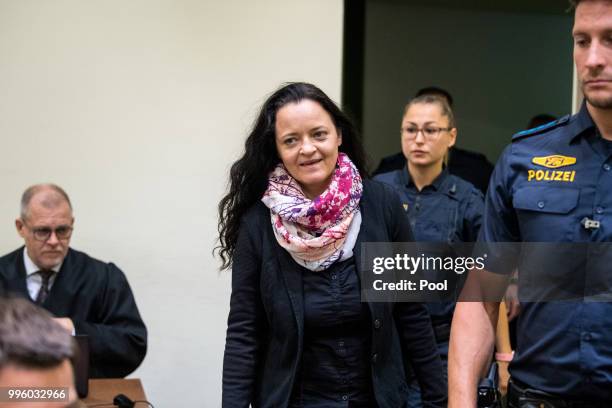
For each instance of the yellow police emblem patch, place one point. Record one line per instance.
(555, 161)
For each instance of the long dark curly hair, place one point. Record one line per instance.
(249, 174)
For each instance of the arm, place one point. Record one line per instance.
(420, 352)
(476, 314)
(470, 350)
(244, 325)
(513, 305)
(118, 338)
(502, 345)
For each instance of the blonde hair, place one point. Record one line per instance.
(434, 100)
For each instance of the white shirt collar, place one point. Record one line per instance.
(31, 267)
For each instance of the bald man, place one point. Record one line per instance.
(85, 295)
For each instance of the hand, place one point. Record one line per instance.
(503, 376)
(512, 303)
(66, 323)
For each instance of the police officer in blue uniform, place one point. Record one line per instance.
(551, 184)
(441, 207)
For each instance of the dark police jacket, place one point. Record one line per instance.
(545, 184)
(98, 299)
(470, 166)
(449, 210)
(266, 321)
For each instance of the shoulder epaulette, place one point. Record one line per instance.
(541, 129)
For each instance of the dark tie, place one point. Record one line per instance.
(43, 293)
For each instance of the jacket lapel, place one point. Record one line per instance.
(292, 277)
(362, 238)
(16, 277)
(370, 226)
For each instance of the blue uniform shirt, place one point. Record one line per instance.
(449, 210)
(544, 184)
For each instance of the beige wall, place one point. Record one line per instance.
(137, 108)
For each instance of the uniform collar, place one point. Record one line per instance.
(31, 267)
(581, 122)
(437, 184)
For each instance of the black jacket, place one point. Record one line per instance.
(266, 322)
(98, 299)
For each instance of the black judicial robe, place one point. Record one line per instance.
(98, 299)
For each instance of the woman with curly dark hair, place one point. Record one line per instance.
(290, 227)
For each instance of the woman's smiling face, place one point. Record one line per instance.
(307, 143)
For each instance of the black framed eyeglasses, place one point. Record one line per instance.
(44, 233)
(429, 132)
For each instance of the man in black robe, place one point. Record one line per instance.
(85, 295)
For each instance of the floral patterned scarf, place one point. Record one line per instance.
(316, 232)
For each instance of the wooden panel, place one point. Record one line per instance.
(104, 390)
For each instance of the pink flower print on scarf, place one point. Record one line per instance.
(314, 231)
